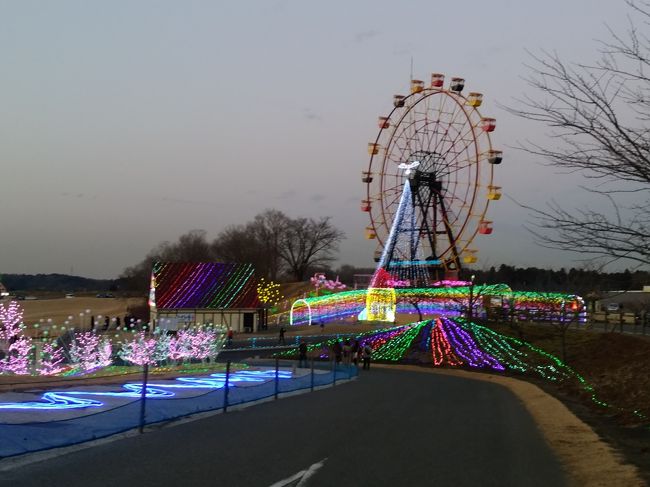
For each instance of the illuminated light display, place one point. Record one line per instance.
(152, 294)
(11, 317)
(205, 285)
(89, 351)
(303, 320)
(319, 280)
(65, 400)
(268, 293)
(51, 360)
(465, 348)
(441, 349)
(141, 350)
(18, 359)
(441, 300)
(381, 304)
(401, 263)
(393, 345)
(450, 283)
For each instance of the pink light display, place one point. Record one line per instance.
(199, 343)
(141, 350)
(51, 360)
(11, 317)
(18, 357)
(320, 281)
(88, 351)
(451, 283)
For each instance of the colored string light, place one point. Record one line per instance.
(204, 286)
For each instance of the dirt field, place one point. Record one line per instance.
(61, 309)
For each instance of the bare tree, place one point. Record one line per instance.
(192, 246)
(307, 243)
(257, 242)
(269, 228)
(238, 244)
(599, 116)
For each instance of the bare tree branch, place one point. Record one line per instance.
(599, 121)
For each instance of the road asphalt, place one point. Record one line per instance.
(388, 428)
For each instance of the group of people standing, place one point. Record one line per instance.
(129, 323)
(350, 351)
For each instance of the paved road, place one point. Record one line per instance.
(388, 428)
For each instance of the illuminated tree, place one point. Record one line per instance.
(268, 293)
(11, 317)
(18, 359)
(89, 351)
(52, 358)
(141, 350)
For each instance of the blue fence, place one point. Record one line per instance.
(39, 429)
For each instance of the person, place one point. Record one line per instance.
(355, 352)
(282, 332)
(107, 323)
(302, 354)
(347, 351)
(229, 336)
(322, 327)
(338, 350)
(92, 323)
(118, 323)
(366, 354)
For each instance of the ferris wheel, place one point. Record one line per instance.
(436, 140)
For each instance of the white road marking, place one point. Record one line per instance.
(310, 472)
(303, 476)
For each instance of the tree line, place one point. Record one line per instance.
(577, 281)
(279, 247)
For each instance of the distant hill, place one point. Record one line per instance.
(55, 282)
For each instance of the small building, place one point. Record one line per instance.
(185, 294)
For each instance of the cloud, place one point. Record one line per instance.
(365, 35)
(317, 197)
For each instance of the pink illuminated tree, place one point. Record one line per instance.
(140, 350)
(88, 351)
(198, 343)
(51, 360)
(180, 346)
(11, 317)
(18, 359)
(17, 347)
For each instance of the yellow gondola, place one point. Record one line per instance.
(474, 99)
(494, 192)
(417, 85)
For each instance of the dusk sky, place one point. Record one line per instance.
(127, 123)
